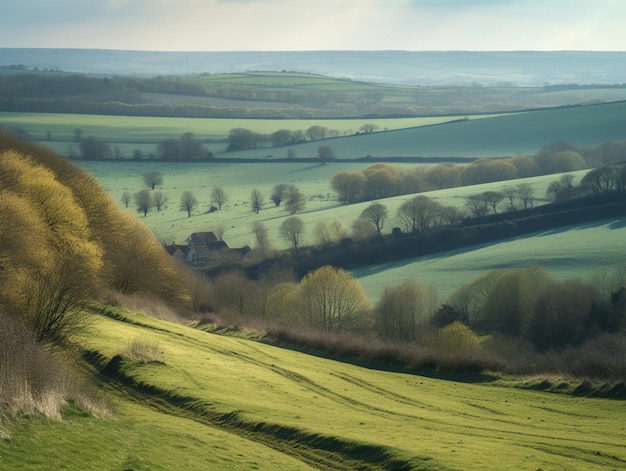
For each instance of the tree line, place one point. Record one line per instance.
(385, 180)
(242, 138)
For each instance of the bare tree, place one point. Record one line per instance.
(218, 197)
(525, 193)
(492, 198)
(418, 213)
(477, 205)
(363, 229)
(126, 198)
(159, 200)
(400, 310)
(325, 153)
(316, 132)
(291, 229)
(152, 179)
(376, 213)
(562, 189)
(510, 193)
(279, 193)
(262, 245)
(188, 202)
(295, 201)
(143, 201)
(350, 186)
(256, 200)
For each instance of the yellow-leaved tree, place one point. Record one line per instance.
(332, 300)
(47, 290)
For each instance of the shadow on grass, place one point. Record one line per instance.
(320, 451)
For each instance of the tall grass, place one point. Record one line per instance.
(144, 304)
(34, 381)
(144, 350)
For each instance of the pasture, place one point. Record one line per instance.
(131, 132)
(233, 403)
(494, 135)
(238, 180)
(572, 252)
(582, 252)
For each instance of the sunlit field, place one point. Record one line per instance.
(313, 411)
(575, 252)
(582, 252)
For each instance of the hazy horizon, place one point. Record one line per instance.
(296, 25)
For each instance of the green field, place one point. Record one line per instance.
(238, 180)
(434, 137)
(129, 132)
(574, 252)
(239, 404)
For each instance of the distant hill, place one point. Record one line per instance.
(521, 133)
(517, 68)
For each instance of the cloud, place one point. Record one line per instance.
(305, 25)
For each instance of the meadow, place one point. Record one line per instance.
(238, 180)
(570, 252)
(586, 252)
(302, 412)
(131, 132)
(487, 135)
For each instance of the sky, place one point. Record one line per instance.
(286, 25)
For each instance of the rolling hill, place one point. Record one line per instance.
(207, 400)
(519, 133)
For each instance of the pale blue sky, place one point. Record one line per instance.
(230, 25)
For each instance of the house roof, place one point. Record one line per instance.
(202, 238)
(172, 249)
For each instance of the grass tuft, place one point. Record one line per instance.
(144, 351)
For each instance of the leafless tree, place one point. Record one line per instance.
(152, 179)
(376, 213)
(295, 201)
(256, 200)
(218, 197)
(126, 198)
(159, 200)
(143, 201)
(291, 229)
(188, 202)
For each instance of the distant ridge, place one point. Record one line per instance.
(461, 68)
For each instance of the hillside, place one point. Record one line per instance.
(582, 251)
(514, 134)
(231, 403)
(427, 138)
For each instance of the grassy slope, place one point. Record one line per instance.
(239, 179)
(566, 253)
(522, 133)
(431, 424)
(574, 252)
(144, 133)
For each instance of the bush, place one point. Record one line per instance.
(33, 381)
(143, 351)
(456, 339)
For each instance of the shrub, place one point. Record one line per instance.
(143, 351)
(456, 339)
(33, 381)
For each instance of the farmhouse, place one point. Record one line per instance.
(202, 248)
